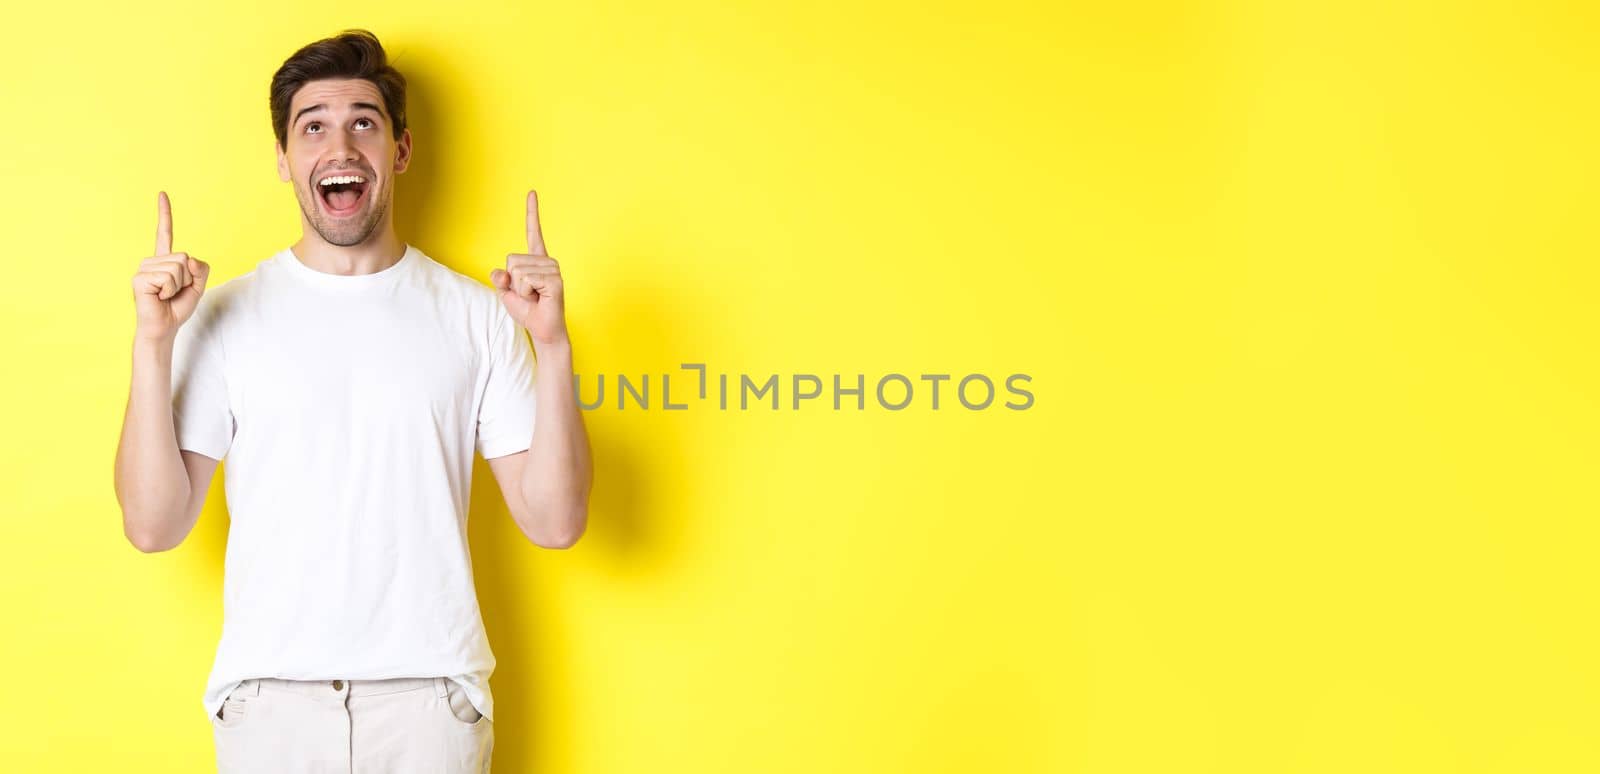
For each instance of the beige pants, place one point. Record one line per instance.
(403, 724)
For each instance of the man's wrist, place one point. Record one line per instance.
(555, 353)
(157, 347)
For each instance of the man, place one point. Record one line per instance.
(351, 378)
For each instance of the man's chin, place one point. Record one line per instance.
(347, 231)
(344, 237)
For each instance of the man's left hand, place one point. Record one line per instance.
(530, 286)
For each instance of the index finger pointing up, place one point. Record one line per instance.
(535, 236)
(163, 224)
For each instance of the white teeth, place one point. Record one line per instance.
(342, 179)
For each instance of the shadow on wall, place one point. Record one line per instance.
(430, 129)
(623, 539)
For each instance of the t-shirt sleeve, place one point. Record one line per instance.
(200, 411)
(505, 416)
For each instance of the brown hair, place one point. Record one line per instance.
(350, 54)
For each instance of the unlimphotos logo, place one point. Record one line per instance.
(893, 392)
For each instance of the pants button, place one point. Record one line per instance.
(338, 685)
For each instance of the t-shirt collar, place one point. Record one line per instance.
(295, 266)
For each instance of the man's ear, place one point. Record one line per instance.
(402, 151)
(283, 163)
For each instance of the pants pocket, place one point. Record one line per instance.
(461, 709)
(235, 708)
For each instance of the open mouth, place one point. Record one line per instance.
(342, 195)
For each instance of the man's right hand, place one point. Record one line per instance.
(168, 285)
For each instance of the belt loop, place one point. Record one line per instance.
(252, 686)
(441, 686)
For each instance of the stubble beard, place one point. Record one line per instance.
(344, 234)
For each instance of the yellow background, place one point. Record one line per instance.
(1306, 291)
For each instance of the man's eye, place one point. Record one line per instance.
(314, 126)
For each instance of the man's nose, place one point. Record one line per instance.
(342, 149)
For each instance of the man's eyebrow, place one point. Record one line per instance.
(322, 106)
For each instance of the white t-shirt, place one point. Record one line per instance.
(349, 408)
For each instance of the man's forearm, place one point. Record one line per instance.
(151, 482)
(557, 476)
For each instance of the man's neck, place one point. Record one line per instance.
(381, 251)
